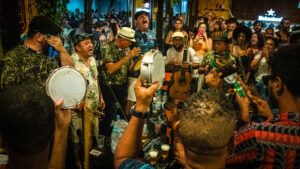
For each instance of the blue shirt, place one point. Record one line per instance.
(134, 164)
(145, 41)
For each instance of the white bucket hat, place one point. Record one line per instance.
(127, 33)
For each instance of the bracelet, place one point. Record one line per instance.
(138, 114)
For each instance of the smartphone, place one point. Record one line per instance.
(52, 52)
(200, 32)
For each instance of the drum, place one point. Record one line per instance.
(67, 83)
(152, 68)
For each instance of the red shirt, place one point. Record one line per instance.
(271, 144)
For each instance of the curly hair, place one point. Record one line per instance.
(27, 119)
(242, 29)
(207, 122)
(285, 64)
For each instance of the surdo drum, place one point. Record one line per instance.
(152, 68)
(67, 83)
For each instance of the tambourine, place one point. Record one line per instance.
(67, 83)
(152, 68)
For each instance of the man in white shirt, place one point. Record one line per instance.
(175, 57)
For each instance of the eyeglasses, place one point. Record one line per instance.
(267, 78)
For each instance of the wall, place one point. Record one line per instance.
(211, 4)
(104, 5)
(250, 9)
(73, 4)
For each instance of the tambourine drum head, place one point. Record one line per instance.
(67, 83)
(158, 71)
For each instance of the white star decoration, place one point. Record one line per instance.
(271, 12)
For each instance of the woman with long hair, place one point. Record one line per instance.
(201, 43)
(201, 40)
(177, 27)
(256, 46)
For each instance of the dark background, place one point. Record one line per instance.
(250, 9)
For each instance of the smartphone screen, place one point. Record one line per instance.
(200, 32)
(52, 52)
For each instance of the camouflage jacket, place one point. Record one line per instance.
(112, 54)
(23, 65)
(210, 59)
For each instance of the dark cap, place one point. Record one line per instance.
(99, 24)
(139, 13)
(220, 38)
(43, 25)
(80, 36)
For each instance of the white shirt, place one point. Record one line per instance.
(263, 67)
(192, 57)
(173, 54)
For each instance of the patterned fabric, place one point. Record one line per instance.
(134, 164)
(23, 65)
(210, 59)
(113, 54)
(145, 41)
(91, 74)
(271, 144)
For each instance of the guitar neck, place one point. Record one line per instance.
(185, 52)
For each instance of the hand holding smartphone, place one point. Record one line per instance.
(200, 32)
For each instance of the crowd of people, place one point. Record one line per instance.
(217, 128)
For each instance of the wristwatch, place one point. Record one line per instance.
(138, 114)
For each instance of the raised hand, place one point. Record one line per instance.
(135, 52)
(144, 95)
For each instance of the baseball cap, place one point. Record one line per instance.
(220, 38)
(43, 25)
(80, 36)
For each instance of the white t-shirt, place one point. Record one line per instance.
(263, 68)
(192, 57)
(172, 54)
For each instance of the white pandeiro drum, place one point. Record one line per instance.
(67, 83)
(152, 68)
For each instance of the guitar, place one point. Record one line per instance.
(227, 69)
(138, 63)
(180, 86)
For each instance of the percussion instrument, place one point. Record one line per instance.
(152, 68)
(67, 83)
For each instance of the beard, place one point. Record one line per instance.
(46, 50)
(178, 48)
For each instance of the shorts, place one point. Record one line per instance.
(131, 94)
(76, 126)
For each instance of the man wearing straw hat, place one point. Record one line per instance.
(116, 60)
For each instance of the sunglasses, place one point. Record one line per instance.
(267, 78)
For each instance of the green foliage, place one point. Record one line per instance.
(52, 9)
